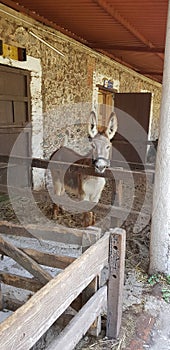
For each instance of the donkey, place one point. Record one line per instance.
(86, 187)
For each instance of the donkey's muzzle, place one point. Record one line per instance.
(101, 164)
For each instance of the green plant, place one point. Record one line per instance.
(168, 279)
(152, 280)
(166, 294)
(155, 278)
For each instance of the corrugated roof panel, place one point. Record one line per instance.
(149, 17)
(104, 24)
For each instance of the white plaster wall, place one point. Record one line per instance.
(34, 66)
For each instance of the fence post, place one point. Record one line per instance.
(88, 292)
(115, 282)
(117, 199)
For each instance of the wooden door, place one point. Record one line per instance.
(133, 113)
(105, 102)
(14, 119)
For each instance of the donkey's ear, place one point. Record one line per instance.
(112, 126)
(92, 125)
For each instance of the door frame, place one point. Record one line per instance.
(34, 66)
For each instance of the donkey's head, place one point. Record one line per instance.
(100, 141)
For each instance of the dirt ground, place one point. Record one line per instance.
(146, 302)
(137, 227)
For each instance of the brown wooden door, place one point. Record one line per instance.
(105, 101)
(14, 118)
(133, 113)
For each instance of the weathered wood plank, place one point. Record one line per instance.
(87, 240)
(20, 281)
(80, 324)
(116, 282)
(11, 303)
(50, 233)
(47, 259)
(9, 228)
(32, 320)
(87, 293)
(95, 328)
(115, 221)
(24, 260)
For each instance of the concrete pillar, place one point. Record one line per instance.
(160, 228)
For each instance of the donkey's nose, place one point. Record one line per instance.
(100, 166)
(100, 169)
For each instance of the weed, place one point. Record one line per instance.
(166, 294)
(164, 280)
(152, 280)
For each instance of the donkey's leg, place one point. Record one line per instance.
(59, 190)
(89, 219)
(93, 187)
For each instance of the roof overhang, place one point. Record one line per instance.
(130, 32)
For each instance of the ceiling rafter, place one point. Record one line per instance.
(150, 73)
(127, 25)
(102, 46)
(137, 69)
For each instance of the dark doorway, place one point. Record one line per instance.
(133, 113)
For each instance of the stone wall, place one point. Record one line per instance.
(68, 83)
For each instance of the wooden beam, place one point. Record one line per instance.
(80, 324)
(87, 293)
(47, 259)
(150, 73)
(51, 233)
(83, 237)
(117, 193)
(116, 282)
(24, 260)
(22, 329)
(103, 46)
(11, 303)
(20, 282)
(10, 228)
(126, 24)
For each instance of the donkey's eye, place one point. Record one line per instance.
(108, 147)
(93, 145)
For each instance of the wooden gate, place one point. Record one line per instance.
(79, 280)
